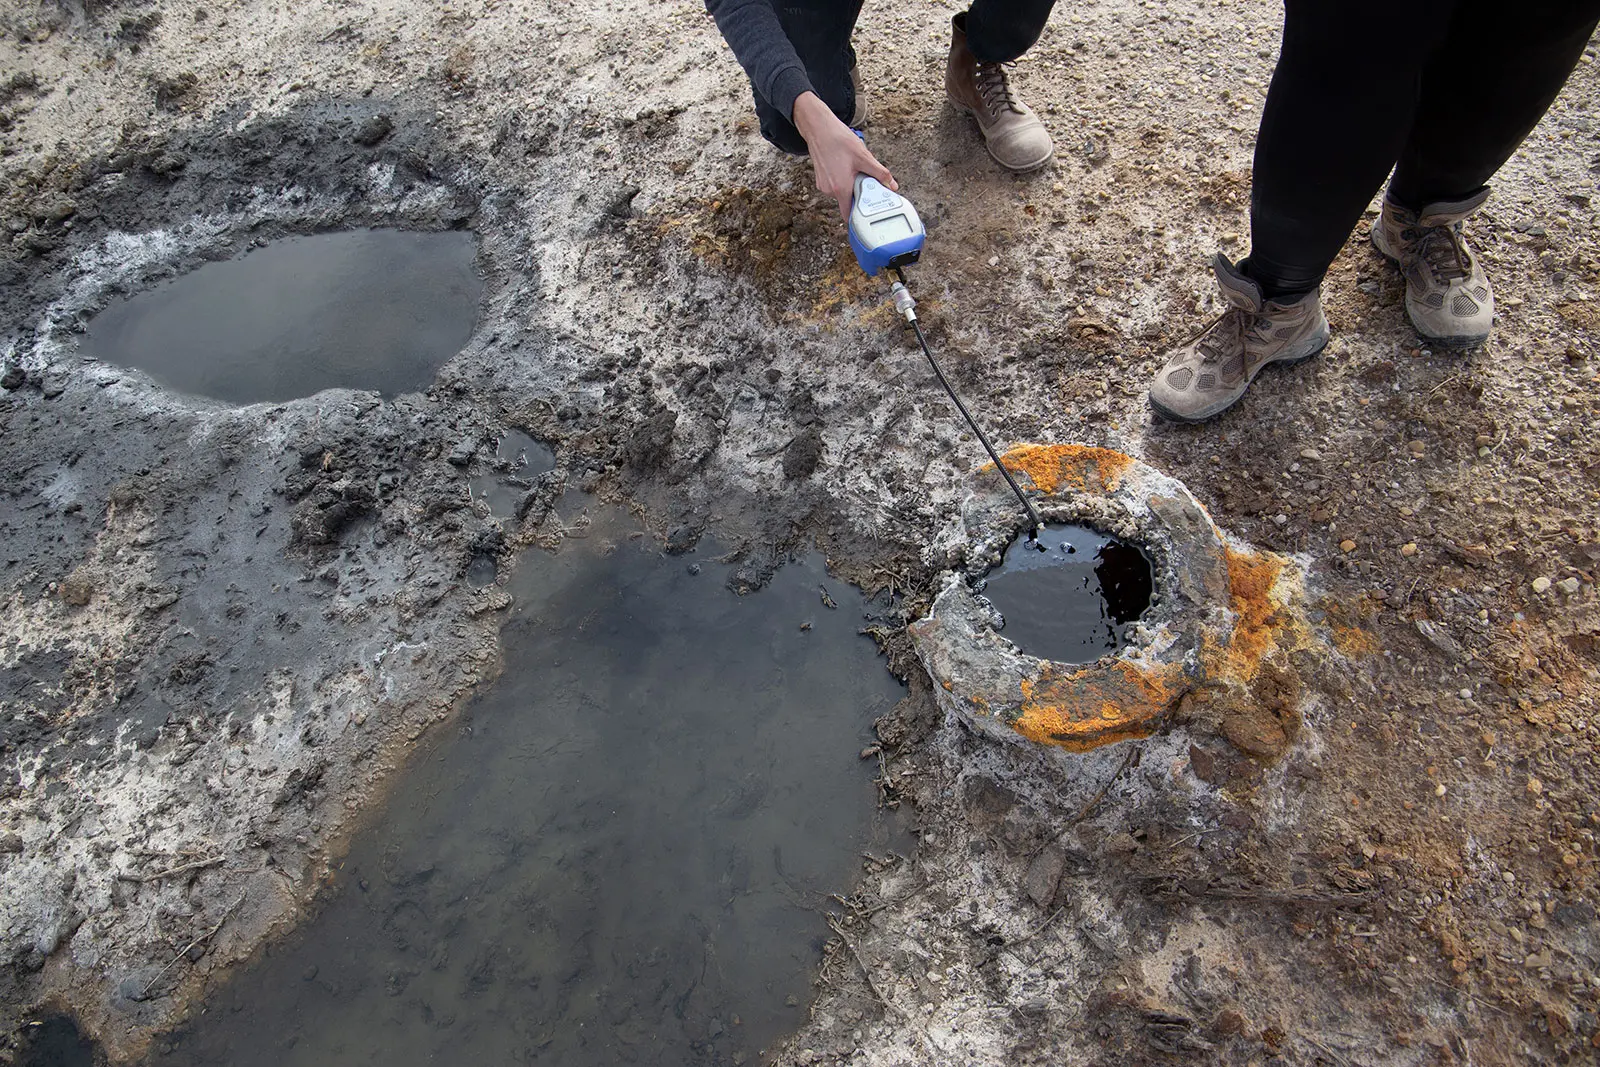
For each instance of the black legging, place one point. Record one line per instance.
(1443, 91)
(998, 31)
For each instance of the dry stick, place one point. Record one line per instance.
(1037, 930)
(1470, 995)
(1101, 795)
(1264, 895)
(1334, 1056)
(185, 950)
(866, 972)
(772, 450)
(1083, 813)
(209, 861)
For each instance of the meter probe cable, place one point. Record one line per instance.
(906, 306)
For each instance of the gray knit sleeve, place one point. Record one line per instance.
(752, 30)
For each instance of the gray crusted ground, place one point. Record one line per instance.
(222, 627)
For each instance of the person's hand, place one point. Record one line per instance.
(836, 152)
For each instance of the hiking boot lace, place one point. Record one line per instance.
(994, 88)
(1231, 330)
(1443, 250)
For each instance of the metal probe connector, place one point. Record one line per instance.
(903, 303)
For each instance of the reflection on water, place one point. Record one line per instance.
(1069, 603)
(618, 855)
(359, 309)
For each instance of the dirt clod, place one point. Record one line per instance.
(373, 131)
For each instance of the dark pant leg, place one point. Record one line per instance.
(820, 32)
(999, 31)
(1338, 112)
(1496, 74)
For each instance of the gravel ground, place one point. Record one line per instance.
(223, 627)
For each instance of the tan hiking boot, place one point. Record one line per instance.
(859, 118)
(1447, 294)
(1016, 138)
(1209, 374)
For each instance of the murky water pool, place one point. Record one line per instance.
(616, 855)
(56, 1041)
(359, 309)
(1071, 602)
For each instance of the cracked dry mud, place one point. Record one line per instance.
(224, 628)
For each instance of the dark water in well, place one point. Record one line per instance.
(361, 309)
(616, 855)
(1071, 602)
(55, 1041)
(518, 459)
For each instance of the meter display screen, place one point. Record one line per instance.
(893, 228)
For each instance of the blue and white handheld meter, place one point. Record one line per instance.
(884, 228)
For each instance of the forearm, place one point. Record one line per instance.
(752, 30)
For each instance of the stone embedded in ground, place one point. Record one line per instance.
(1044, 875)
(1221, 621)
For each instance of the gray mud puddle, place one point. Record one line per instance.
(1071, 602)
(360, 309)
(616, 855)
(518, 460)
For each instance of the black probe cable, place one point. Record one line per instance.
(1033, 515)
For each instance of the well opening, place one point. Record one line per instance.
(1070, 595)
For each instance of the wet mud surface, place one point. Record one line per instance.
(1070, 602)
(378, 310)
(621, 850)
(56, 1041)
(519, 460)
(223, 630)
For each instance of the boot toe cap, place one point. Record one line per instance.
(1021, 148)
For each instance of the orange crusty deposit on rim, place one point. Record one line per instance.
(1081, 467)
(1093, 706)
(1083, 708)
(1080, 708)
(1257, 621)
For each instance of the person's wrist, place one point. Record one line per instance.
(810, 113)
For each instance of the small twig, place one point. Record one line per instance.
(866, 972)
(867, 911)
(1325, 1050)
(184, 951)
(762, 453)
(1470, 995)
(1262, 895)
(1041, 928)
(1083, 812)
(209, 861)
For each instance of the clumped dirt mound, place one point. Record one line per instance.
(215, 651)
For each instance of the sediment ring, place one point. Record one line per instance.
(1216, 612)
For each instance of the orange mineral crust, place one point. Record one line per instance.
(1092, 706)
(1081, 467)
